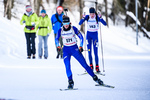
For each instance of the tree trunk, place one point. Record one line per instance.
(5, 7)
(141, 11)
(81, 4)
(31, 3)
(61, 2)
(8, 5)
(47, 1)
(126, 9)
(9, 9)
(146, 18)
(106, 12)
(37, 6)
(55, 1)
(113, 11)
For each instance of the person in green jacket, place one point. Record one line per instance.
(30, 19)
(44, 27)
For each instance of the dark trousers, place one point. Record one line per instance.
(61, 44)
(30, 41)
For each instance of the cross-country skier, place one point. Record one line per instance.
(44, 27)
(30, 19)
(70, 48)
(92, 35)
(56, 20)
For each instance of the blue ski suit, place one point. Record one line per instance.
(92, 35)
(70, 48)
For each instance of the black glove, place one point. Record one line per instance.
(81, 49)
(58, 48)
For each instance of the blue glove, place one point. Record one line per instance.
(23, 21)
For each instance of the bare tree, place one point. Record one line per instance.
(113, 11)
(8, 5)
(55, 1)
(60, 2)
(146, 18)
(126, 9)
(30, 3)
(9, 9)
(81, 5)
(5, 7)
(106, 12)
(37, 6)
(47, 1)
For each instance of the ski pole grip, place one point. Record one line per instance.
(84, 13)
(99, 15)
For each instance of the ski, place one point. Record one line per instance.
(94, 73)
(68, 89)
(105, 85)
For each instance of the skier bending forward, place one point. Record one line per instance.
(70, 48)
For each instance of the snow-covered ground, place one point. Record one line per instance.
(127, 68)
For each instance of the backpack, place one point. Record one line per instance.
(56, 15)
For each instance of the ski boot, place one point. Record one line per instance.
(91, 65)
(71, 84)
(97, 69)
(95, 78)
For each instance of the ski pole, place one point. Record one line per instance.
(66, 10)
(101, 46)
(85, 36)
(87, 50)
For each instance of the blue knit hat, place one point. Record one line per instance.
(91, 10)
(43, 11)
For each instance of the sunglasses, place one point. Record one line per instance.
(66, 23)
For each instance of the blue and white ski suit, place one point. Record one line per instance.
(70, 48)
(92, 35)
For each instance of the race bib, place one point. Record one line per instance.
(92, 25)
(68, 37)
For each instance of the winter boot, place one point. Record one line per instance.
(71, 84)
(95, 78)
(57, 56)
(61, 56)
(33, 57)
(91, 65)
(29, 57)
(40, 57)
(97, 69)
